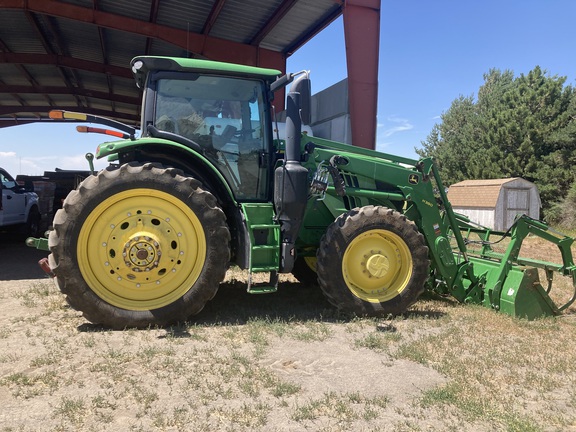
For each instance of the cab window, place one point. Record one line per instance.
(225, 117)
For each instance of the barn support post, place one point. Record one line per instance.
(362, 38)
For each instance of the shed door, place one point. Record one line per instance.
(517, 202)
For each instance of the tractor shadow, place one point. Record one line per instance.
(293, 301)
(232, 305)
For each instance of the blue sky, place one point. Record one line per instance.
(431, 52)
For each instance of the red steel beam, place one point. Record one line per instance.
(153, 17)
(362, 36)
(61, 61)
(54, 90)
(208, 46)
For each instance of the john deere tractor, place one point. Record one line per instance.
(209, 184)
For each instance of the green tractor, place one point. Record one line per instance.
(208, 184)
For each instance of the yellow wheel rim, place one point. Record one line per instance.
(141, 249)
(377, 266)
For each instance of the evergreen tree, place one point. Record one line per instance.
(517, 127)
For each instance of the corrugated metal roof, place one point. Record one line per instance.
(243, 19)
(137, 9)
(299, 23)
(76, 53)
(477, 193)
(184, 14)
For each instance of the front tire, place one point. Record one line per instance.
(372, 261)
(139, 245)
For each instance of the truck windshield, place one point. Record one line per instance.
(225, 117)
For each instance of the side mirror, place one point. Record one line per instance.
(302, 85)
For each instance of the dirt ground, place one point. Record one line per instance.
(50, 357)
(279, 362)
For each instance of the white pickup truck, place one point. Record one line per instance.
(19, 212)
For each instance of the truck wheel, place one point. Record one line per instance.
(372, 261)
(32, 226)
(139, 245)
(305, 270)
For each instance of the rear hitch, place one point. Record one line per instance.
(41, 244)
(45, 266)
(38, 243)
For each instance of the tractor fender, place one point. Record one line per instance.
(169, 153)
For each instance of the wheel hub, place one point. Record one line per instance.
(142, 253)
(378, 265)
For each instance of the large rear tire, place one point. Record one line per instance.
(372, 261)
(138, 246)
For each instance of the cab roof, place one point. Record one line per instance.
(142, 65)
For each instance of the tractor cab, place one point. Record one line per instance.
(224, 115)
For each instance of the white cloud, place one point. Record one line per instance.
(44, 147)
(398, 125)
(9, 161)
(395, 135)
(36, 165)
(392, 125)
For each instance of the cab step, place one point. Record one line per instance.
(265, 287)
(264, 236)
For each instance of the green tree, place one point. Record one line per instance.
(517, 127)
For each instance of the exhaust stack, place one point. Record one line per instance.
(291, 179)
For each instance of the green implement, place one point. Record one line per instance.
(511, 283)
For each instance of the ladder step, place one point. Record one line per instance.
(264, 236)
(264, 226)
(262, 289)
(264, 269)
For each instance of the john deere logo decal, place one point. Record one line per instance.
(413, 179)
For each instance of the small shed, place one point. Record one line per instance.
(495, 203)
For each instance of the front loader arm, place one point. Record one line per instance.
(411, 189)
(504, 282)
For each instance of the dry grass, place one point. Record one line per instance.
(284, 362)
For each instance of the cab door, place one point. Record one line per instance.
(228, 118)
